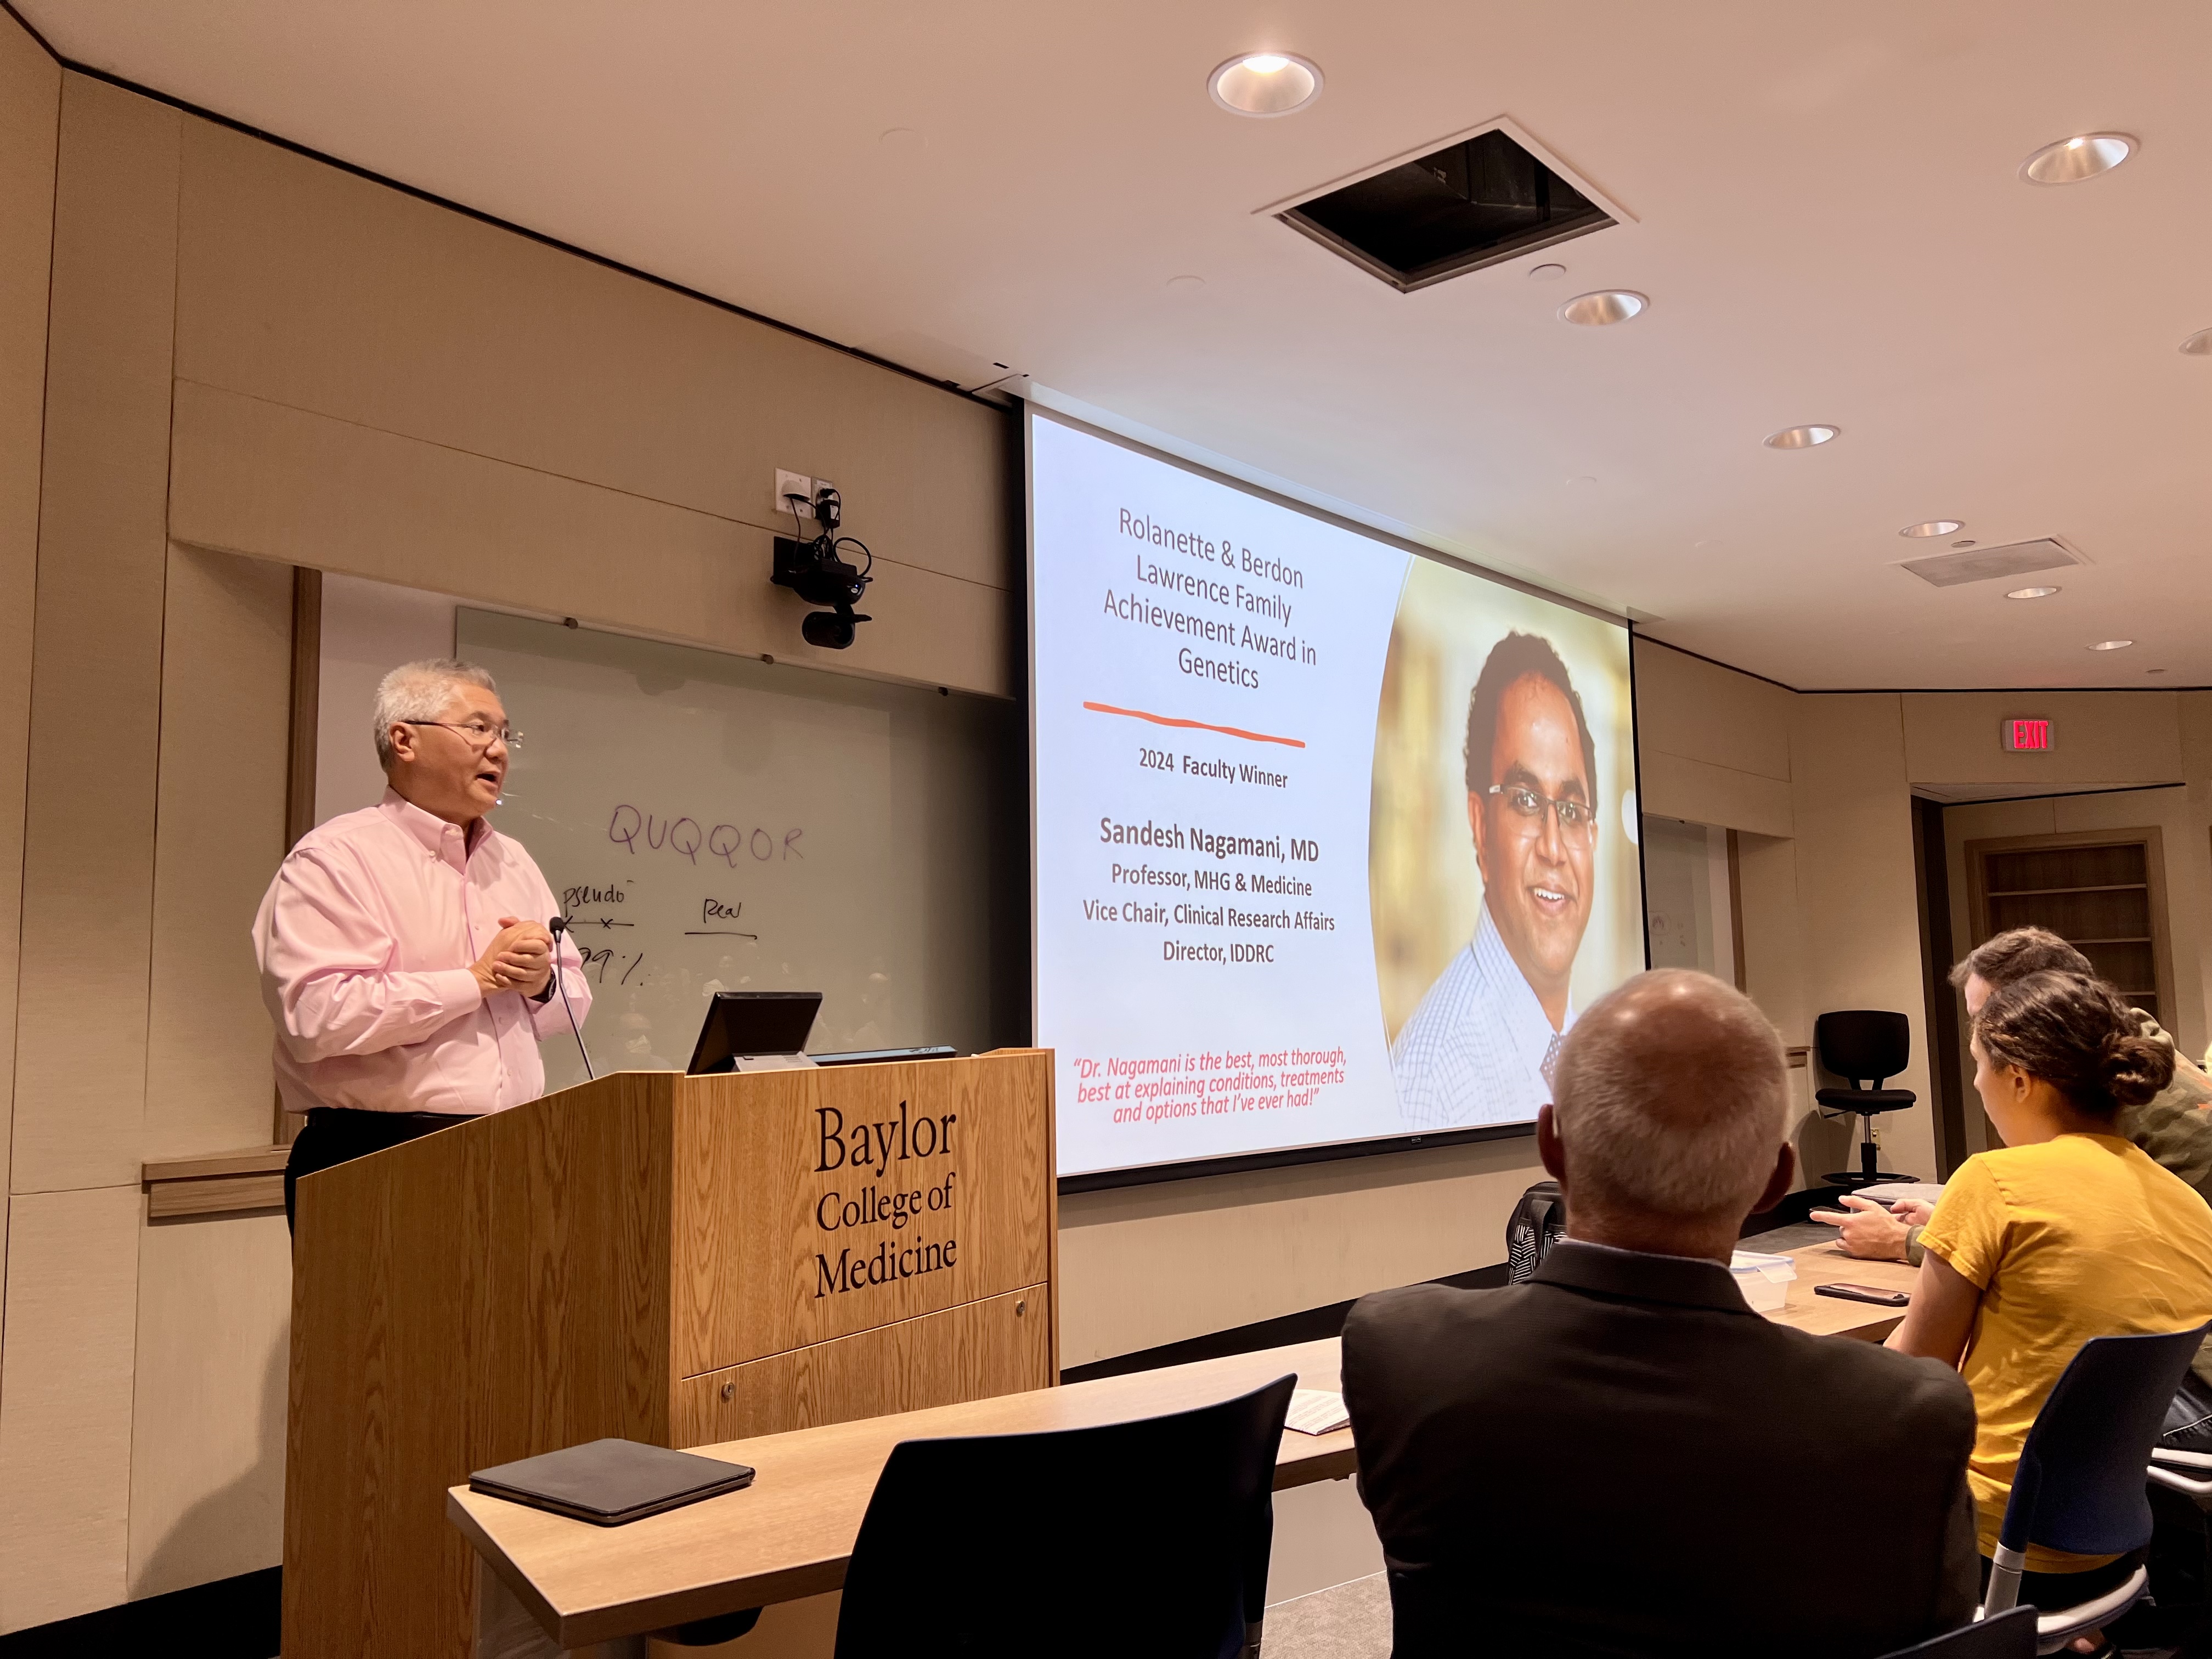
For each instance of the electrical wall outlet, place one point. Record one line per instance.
(794, 484)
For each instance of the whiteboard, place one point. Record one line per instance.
(716, 823)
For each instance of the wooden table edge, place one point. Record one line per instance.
(489, 1554)
(1315, 1458)
(1303, 1459)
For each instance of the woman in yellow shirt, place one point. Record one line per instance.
(2068, 1233)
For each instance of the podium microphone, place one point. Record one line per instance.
(559, 926)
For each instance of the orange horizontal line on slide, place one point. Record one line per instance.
(1195, 725)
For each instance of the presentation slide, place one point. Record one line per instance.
(1332, 841)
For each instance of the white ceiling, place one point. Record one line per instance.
(1829, 222)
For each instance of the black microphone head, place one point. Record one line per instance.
(557, 926)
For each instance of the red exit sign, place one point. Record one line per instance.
(2030, 736)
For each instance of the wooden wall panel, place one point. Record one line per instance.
(30, 118)
(755, 1286)
(1701, 711)
(1857, 904)
(65, 1402)
(207, 1443)
(2131, 738)
(96, 688)
(1675, 787)
(969, 1352)
(226, 664)
(1140, 1265)
(1773, 942)
(263, 479)
(314, 288)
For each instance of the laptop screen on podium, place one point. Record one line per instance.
(752, 1023)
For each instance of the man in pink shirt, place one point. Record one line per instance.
(404, 950)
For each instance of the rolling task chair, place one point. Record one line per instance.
(1150, 1537)
(1864, 1045)
(2079, 1485)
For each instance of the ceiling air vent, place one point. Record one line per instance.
(1476, 201)
(1982, 564)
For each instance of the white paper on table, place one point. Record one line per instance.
(1317, 1411)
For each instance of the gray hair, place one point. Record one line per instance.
(420, 691)
(1670, 1096)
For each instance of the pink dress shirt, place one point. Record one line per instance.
(365, 939)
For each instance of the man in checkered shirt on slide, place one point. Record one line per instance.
(1481, 1046)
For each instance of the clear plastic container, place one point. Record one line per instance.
(1764, 1279)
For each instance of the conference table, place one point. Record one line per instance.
(547, 1585)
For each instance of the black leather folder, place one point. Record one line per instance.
(610, 1482)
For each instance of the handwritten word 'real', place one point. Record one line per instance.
(688, 837)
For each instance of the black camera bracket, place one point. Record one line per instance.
(815, 570)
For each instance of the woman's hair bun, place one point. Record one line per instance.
(2136, 1067)
(2077, 1035)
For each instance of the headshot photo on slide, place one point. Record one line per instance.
(1503, 894)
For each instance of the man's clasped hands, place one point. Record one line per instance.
(518, 958)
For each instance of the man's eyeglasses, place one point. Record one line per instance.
(1577, 818)
(475, 734)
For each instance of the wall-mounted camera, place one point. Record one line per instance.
(818, 573)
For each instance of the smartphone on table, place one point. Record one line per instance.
(1874, 1293)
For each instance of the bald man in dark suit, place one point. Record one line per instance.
(1618, 1458)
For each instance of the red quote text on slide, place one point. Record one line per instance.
(1199, 1083)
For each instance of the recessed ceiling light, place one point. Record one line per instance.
(1552, 273)
(2199, 345)
(1265, 83)
(1614, 305)
(2112, 645)
(2070, 161)
(900, 141)
(1801, 437)
(1932, 527)
(1185, 284)
(2031, 592)
(1965, 541)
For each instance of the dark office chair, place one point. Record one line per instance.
(1533, 1227)
(1864, 1045)
(2005, 1636)
(2079, 1486)
(1148, 1538)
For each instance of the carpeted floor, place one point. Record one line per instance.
(1348, 1621)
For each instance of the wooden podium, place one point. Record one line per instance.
(670, 1259)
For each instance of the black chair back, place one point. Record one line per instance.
(1149, 1537)
(1864, 1045)
(1533, 1227)
(2007, 1636)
